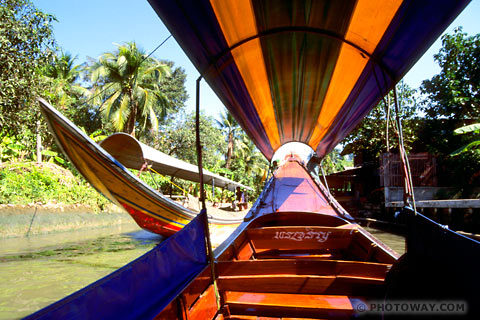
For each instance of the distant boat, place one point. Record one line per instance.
(108, 174)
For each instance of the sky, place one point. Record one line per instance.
(89, 28)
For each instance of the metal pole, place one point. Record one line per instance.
(202, 192)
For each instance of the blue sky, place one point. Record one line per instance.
(88, 28)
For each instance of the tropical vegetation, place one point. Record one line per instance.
(41, 183)
(124, 90)
(434, 116)
(129, 90)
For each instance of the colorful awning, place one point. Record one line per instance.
(305, 71)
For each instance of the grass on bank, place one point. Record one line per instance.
(40, 183)
(31, 185)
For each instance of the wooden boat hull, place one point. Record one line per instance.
(150, 210)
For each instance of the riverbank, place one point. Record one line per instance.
(38, 219)
(33, 219)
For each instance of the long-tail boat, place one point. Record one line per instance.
(105, 166)
(305, 71)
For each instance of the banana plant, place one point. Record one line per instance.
(474, 129)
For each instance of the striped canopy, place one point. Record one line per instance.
(305, 71)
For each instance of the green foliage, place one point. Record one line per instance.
(10, 149)
(53, 156)
(173, 87)
(231, 130)
(127, 88)
(24, 183)
(369, 137)
(177, 138)
(455, 92)
(249, 166)
(471, 150)
(61, 76)
(452, 101)
(335, 162)
(26, 43)
(474, 128)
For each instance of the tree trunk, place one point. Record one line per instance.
(229, 150)
(130, 128)
(39, 143)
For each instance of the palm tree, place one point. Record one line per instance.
(62, 68)
(127, 87)
(230, 129)
(254, 162)
(63, 76)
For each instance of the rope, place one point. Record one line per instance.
(387, 138)
(168, 180)
(155, 181)
(403, 154)
(108, 87)
(31, 222)
(326, 183)
(401, 147)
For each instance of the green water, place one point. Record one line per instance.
(394, 241)
(39, 270)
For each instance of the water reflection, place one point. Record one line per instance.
(40, 270)
(394, 241)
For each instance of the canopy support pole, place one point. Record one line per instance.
(326, 183)
(202, 193)
(409, 192)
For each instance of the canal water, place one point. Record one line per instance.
(39, 270)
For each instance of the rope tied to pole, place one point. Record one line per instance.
(409, 192)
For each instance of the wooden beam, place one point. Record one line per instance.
(303, 267)
(454, 203)
(277, 284)
(205, 307)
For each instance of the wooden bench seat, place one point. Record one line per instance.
(290, 305)
(303, 267)
(304, 284)
(302, 276)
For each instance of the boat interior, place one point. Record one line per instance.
(289, 264)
